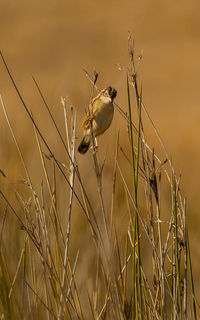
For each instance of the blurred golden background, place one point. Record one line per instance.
(54, 40)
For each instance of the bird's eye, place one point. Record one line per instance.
(106, 93)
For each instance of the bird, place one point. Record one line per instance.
(99, 118)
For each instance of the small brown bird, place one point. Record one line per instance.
(101, 112)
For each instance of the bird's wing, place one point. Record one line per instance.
(86, 123)
(89, 117)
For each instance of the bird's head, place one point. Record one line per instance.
(109, 92)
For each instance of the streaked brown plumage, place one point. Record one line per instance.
(101, 112)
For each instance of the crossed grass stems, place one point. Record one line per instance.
(121, 289)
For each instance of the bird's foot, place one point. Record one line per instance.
(91, 117)
(95, 147)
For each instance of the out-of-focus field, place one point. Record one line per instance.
(54, 40)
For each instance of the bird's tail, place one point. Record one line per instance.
(84, 145)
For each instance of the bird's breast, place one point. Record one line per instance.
(103, 118)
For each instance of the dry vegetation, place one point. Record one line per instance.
(67, 253)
